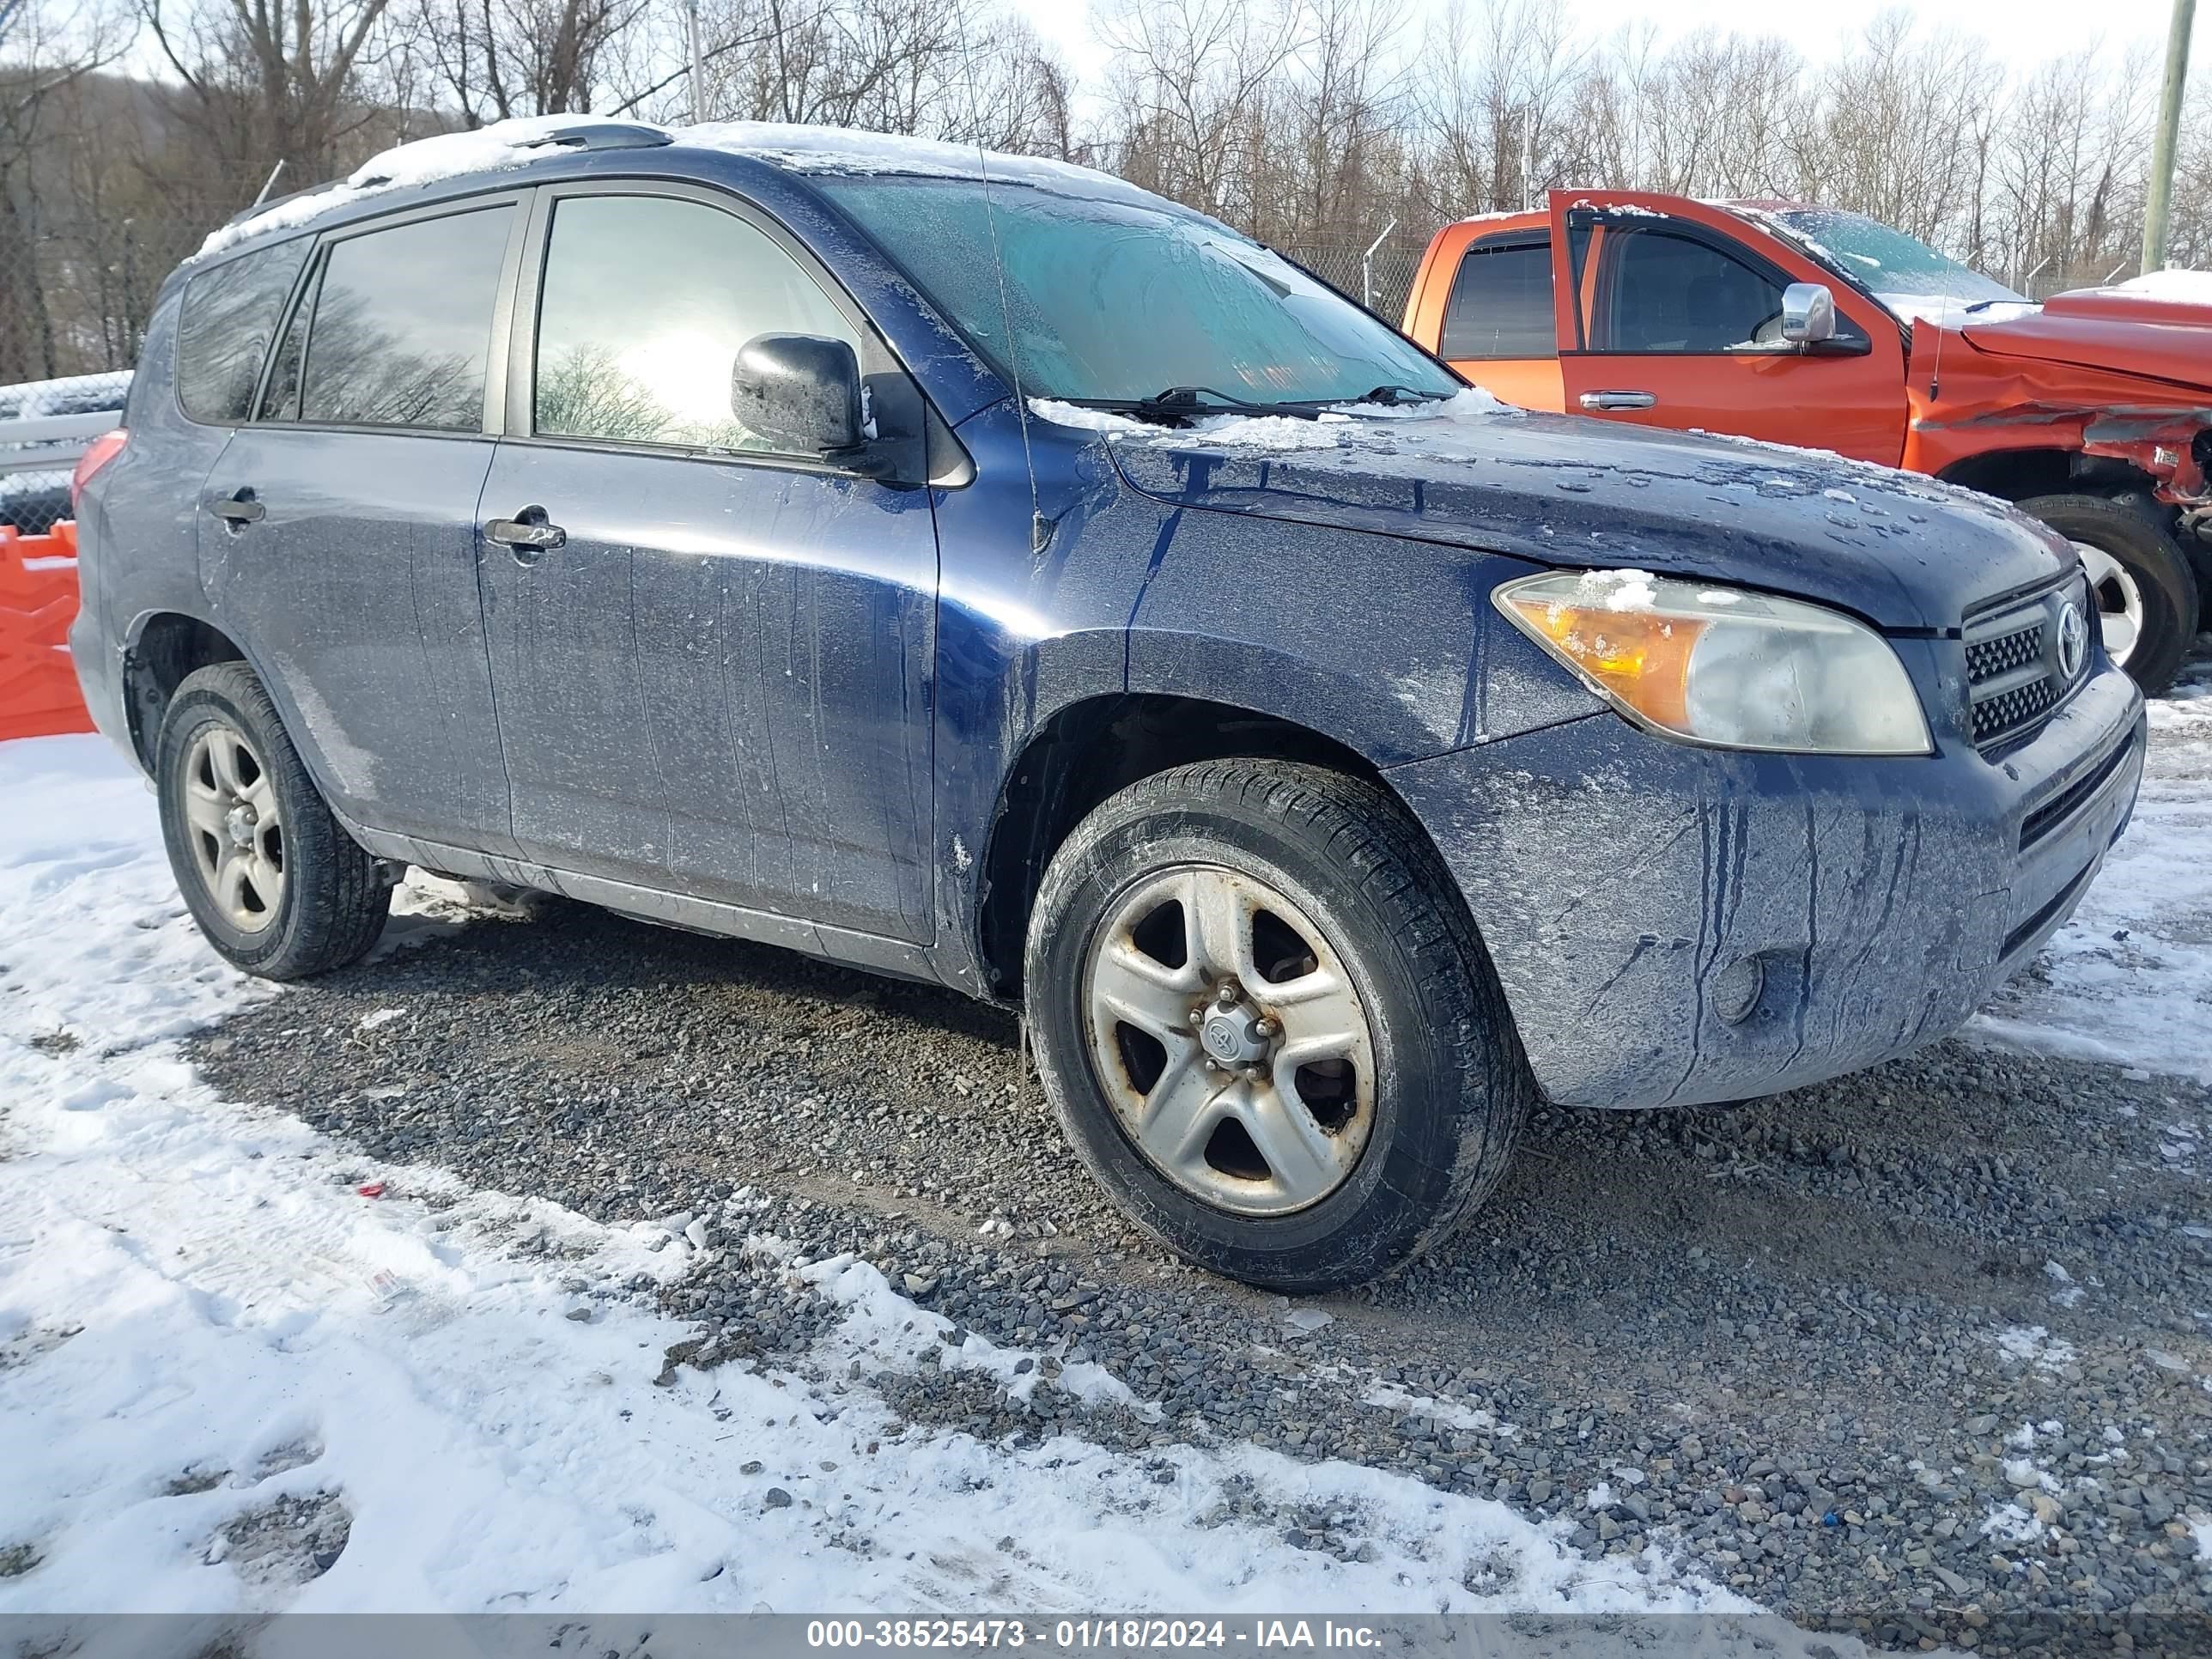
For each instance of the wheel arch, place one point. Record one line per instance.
(2019, 474)
(1088, 750)
(164, 647)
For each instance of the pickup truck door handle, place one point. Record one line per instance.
(1617, 399)
(528, 534)
(238, 510)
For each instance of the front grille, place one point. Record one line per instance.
(2015, 678)
(2002, 713)
(1987, 659)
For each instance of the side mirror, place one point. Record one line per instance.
(801, 392)
(1808, 314)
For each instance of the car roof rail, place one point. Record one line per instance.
(583, 136)
(601, 135)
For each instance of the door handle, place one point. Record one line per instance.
(528, 535)
(1617, 399)
(239, 509)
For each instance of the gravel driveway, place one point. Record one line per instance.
(1921, 1354)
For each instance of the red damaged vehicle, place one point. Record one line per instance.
(2091, 411)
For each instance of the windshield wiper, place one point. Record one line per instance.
(1178, 401)
(1391, 396)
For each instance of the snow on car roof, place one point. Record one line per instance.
(827, 151)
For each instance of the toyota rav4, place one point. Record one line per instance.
(980, 570)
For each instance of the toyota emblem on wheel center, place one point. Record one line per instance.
(2073, 640)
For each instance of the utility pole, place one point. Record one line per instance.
(2159, 200)
(699, 64)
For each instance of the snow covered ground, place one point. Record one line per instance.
(234, 1376)
(2129, 980)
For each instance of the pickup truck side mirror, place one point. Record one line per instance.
(1808, 314)
(800, 392)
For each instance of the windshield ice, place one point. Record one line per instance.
(1885, 260)
(1115, 300)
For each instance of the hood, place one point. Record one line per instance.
(1903, 551)
(2148, 333)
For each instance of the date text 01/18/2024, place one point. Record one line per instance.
(1076, 1634)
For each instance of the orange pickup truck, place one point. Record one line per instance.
(2093, 411)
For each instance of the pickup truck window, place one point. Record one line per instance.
(1886, 261)
(1662, 291)
(1111, 301)
(1500, 305)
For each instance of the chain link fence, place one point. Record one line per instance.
(44, 426)
(1382, 286)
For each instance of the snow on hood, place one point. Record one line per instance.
(1347, 429)
(417, 162)
(1568, 492)
(1945, 312)
(2184, 287)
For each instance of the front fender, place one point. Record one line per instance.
(1388, 646)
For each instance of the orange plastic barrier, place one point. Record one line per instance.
(38, 695)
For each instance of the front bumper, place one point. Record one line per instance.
(1674, 926)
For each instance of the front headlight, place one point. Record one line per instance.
(1724, 666)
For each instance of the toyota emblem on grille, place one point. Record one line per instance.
(2073, 640)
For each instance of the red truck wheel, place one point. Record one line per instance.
(2146, 593)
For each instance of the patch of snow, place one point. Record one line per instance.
(2182, 287)
(411, 165)
(1619, 589)
(1452, 1414)
(1946, 311)
(850, 151)
(2034, 1345)
(381, 1017)
(2011, 1524)
(194, 1288)
(2127, 979)
(1361, 433)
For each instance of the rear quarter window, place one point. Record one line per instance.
(223, 328)
(1500, 304)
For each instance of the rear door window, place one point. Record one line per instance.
(645, 303)
(401, 334)
(223, 328)
(1500, 304)
(1665, 291)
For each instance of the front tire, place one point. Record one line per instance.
(277, 886)
(2147, 598)
(1267, 1026)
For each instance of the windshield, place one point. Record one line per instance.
(1896, 267)
(1115, 301)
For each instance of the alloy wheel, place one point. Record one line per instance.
(2119, 601)
(235, 827)
(1230, 1040)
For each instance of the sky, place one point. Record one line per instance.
(2024, 32)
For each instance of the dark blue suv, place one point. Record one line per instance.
(979, 570)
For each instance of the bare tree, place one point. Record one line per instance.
(265, 81)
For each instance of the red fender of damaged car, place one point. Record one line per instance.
(2105, 371)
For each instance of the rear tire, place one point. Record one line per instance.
(1342, 917)
(2148, 583)
(277, 887)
